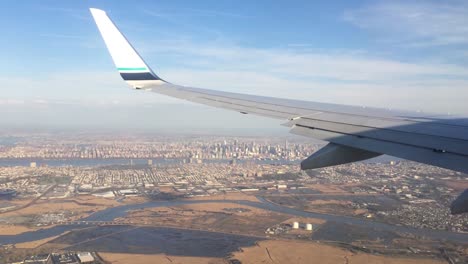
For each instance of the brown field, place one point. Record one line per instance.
(166, 189)
(327, 188)
(305, 220)
(274, 252)
(36, 243)
(456, 184)
(76, 208)
(130, 200)
(326, 202)
(210, 217)
(277, 251)
(14, 229)
(228, 196)
(118, 258)
(333, 206)
(96, 200)
(43, 207)
(219, 207)
(84, 205)
(19, 202)
(81, 203)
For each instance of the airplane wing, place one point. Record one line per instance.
(355, 133)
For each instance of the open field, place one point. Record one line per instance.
(36, 243)
(228, 196)
(305, 220)
(275, 251)
(224, 208)
(135, 242)
(14, 229)
(23, 220)
(220, 217)
(117, 258)
(76, 204)
(458, 185)
(169, 232)
(327, 188)
(278, 251)
(28, 219)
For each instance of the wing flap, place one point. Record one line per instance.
(398, 123)
(424, 155)
(395, 134)
(333, 154)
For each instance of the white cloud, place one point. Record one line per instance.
(9, 101)
(297, 63)
(85, 88)
(430, 96)
(340, 77)
(297, 71)
(60, 36)
(191, 12)
(417, 23)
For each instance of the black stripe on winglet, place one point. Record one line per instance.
(139, 76)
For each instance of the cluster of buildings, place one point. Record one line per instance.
(420, 190)
(26, 182)
(427, 215)
(63, 258)
(205, 178)
(178, 176)
(285, 228)
(175, 148)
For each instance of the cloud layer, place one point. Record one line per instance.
(419, 23)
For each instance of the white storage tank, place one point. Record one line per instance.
(296, 225)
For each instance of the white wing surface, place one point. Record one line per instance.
(354, 133)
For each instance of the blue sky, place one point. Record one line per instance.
(393, 54)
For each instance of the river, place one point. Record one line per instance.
(120, 211)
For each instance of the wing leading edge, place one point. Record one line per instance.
(354, 133)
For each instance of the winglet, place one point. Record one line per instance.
(129, 63)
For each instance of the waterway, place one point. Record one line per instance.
(371, 227)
